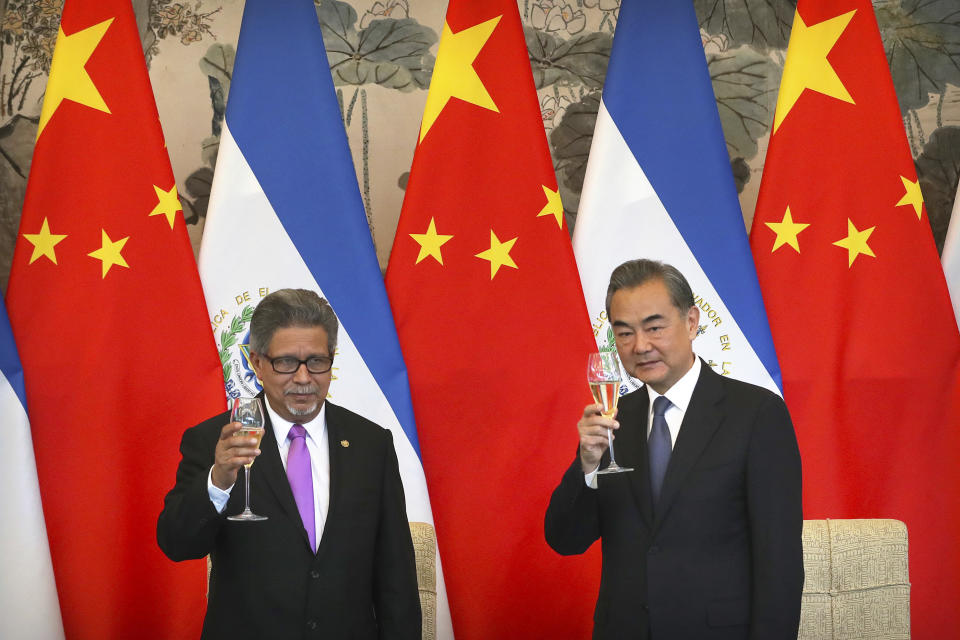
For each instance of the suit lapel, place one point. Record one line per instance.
(631, 447)
(334, 435)
(700, 421)
(270, 467)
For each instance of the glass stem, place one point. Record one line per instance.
(610, 442)
(246, 477)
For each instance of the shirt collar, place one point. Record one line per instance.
(680, 393)
(281, 427)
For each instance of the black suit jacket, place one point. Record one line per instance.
(266, 581)
(722, 555)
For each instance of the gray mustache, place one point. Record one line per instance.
(301, 389)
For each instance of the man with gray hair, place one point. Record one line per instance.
(703, 538)
(334, 557)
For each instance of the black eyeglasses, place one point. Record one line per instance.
(289, 364)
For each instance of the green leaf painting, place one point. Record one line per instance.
(580, 60)
(571, 146)
(922, 42)
(764, 24)
(390, 52)
(745, 83)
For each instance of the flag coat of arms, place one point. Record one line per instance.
(658, 185)
(285, 212)
(492, 323)
(108, 315)
(858, 306)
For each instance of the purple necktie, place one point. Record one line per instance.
(301, 480)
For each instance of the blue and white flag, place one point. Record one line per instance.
(658, 185)
(29, 607)
(285, 211)
(950, 258)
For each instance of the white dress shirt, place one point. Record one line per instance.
(679, 396)
(317, 445)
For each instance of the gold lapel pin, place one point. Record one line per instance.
(344, 443)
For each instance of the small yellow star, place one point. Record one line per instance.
(43, 243)
(498, 254)
(69, 79)
(109, 252)
(553, 207)
(787, 231)
(453, 72)
(168, 204)
(430, 243)
(912, 196)
(807, 66)
(856, 242)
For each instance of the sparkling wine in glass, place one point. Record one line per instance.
(249, 413)
(603, 376)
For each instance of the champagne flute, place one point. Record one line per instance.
(249, 413)
(603, 375)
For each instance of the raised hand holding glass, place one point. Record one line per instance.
(249, 413)
(603, 376)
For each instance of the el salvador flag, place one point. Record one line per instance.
(29, 607)
(658, 185)
(285, 211)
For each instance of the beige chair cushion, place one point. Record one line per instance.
(857, 586)
(425, 550)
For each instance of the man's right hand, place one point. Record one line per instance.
(593, 427)
(232, 453)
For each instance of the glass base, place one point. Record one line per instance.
(247, 515)
(614, 468)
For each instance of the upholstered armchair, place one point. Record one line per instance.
(856, 585)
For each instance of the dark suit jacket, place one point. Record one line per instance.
(722, 556)
(266, 582)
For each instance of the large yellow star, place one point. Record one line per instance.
(787, 231)
(430, 243)
(912, 195)
(69, 79)
(167, 204)
(498, 254)
(553, 207)
(43, 243)
(453, 73)
(109, 252)
(807, 66)
(856, 242)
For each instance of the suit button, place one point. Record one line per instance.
(652, 550)
(314, 574)
(312, 625)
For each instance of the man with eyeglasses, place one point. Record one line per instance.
(334, 558)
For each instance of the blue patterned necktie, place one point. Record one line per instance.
(659, 447)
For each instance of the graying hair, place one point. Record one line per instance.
(634, 273)
(285, 308)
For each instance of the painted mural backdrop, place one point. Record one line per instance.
(381, 55)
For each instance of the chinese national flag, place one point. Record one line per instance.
(857, 302)
(109, 319)
(495, 333)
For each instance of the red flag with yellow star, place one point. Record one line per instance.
(109, 319)
(495, 333)
(857, 302)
